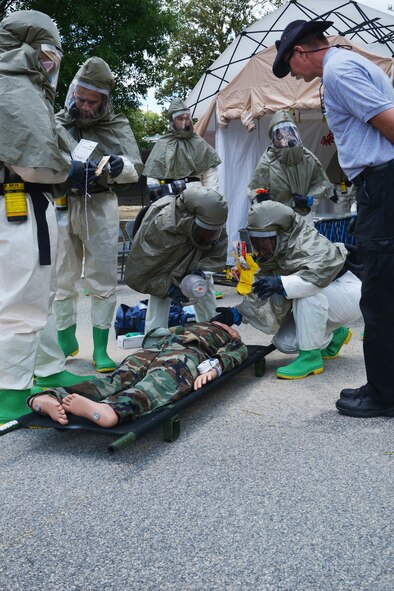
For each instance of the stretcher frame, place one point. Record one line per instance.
(168, 416)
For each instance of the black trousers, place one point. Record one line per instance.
(375, 239)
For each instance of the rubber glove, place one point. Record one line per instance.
(228, 316)
(268, 285)
(177, 296)
(302, 200)
(116, 165)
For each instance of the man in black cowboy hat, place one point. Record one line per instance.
(359, 102)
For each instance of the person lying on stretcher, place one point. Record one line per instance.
(172, 363)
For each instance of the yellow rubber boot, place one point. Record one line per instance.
(68, 341)
(307, 362)
(13, 404)
(101, 360)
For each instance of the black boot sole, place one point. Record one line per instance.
(365, 414)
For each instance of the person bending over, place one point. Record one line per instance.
(172, 363)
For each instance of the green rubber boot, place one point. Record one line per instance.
(13, 404)
(101, 360)
(306, 363)
(68, 341)
(341, 336)
(60, 380)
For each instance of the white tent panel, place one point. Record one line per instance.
(240, 153)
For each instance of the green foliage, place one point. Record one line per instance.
(168, 44)
(145, 124)
(128, 34)
(204, 29)
(7, 6)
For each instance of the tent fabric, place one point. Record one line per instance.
(256, 91)
(240, 152)
(363, 25)
(236, 97)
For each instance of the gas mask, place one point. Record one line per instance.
(264, 245)
(182, 121)
(286, 139)
(285, 135)
(86, 102)
(51, 57)
(205, 236)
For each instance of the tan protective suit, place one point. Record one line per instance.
(29, 147)
(163, 251)
(316, 301)
(89, 229)
(183, 154)
(289, 170)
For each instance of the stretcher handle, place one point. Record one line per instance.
(122, 442)
(10, 426)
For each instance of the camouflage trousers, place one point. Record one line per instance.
(144, 381)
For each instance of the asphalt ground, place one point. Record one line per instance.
(267, 488)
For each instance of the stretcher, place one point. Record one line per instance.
(168, 416)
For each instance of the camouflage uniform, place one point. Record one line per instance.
(153, 377)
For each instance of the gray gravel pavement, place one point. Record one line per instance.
(267, 488)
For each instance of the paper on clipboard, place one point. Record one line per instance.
(83, 150)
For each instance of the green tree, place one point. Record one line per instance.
(129, 35)
(204, 28)
(145, 124)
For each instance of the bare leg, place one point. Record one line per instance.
(97, 412)
(45, 404)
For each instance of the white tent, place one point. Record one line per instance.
(233, 96)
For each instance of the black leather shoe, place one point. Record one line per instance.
(363, 403)
(351, 393)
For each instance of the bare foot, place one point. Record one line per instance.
(97, 412)
(45, 404)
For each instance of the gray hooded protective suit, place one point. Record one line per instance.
(180, 154)
(300, 250)
(31, 148)
(111, 131)
(163, 251)
(289, 170)
(28, 129)
(90, 227)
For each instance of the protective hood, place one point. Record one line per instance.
(28, 136)
(207, 205)
(111, 131)
(300, 250)
(163, 252)
(94, 75)
(280, 117)
(208, 209)
(176, 106)
(96, 72)
(28, 26)
(179, 154)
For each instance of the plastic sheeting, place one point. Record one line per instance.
(240, 152)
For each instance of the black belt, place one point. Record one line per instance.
(187, 179)
(371, 170)
(82, 192)
(40, 204)
(29, 187)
